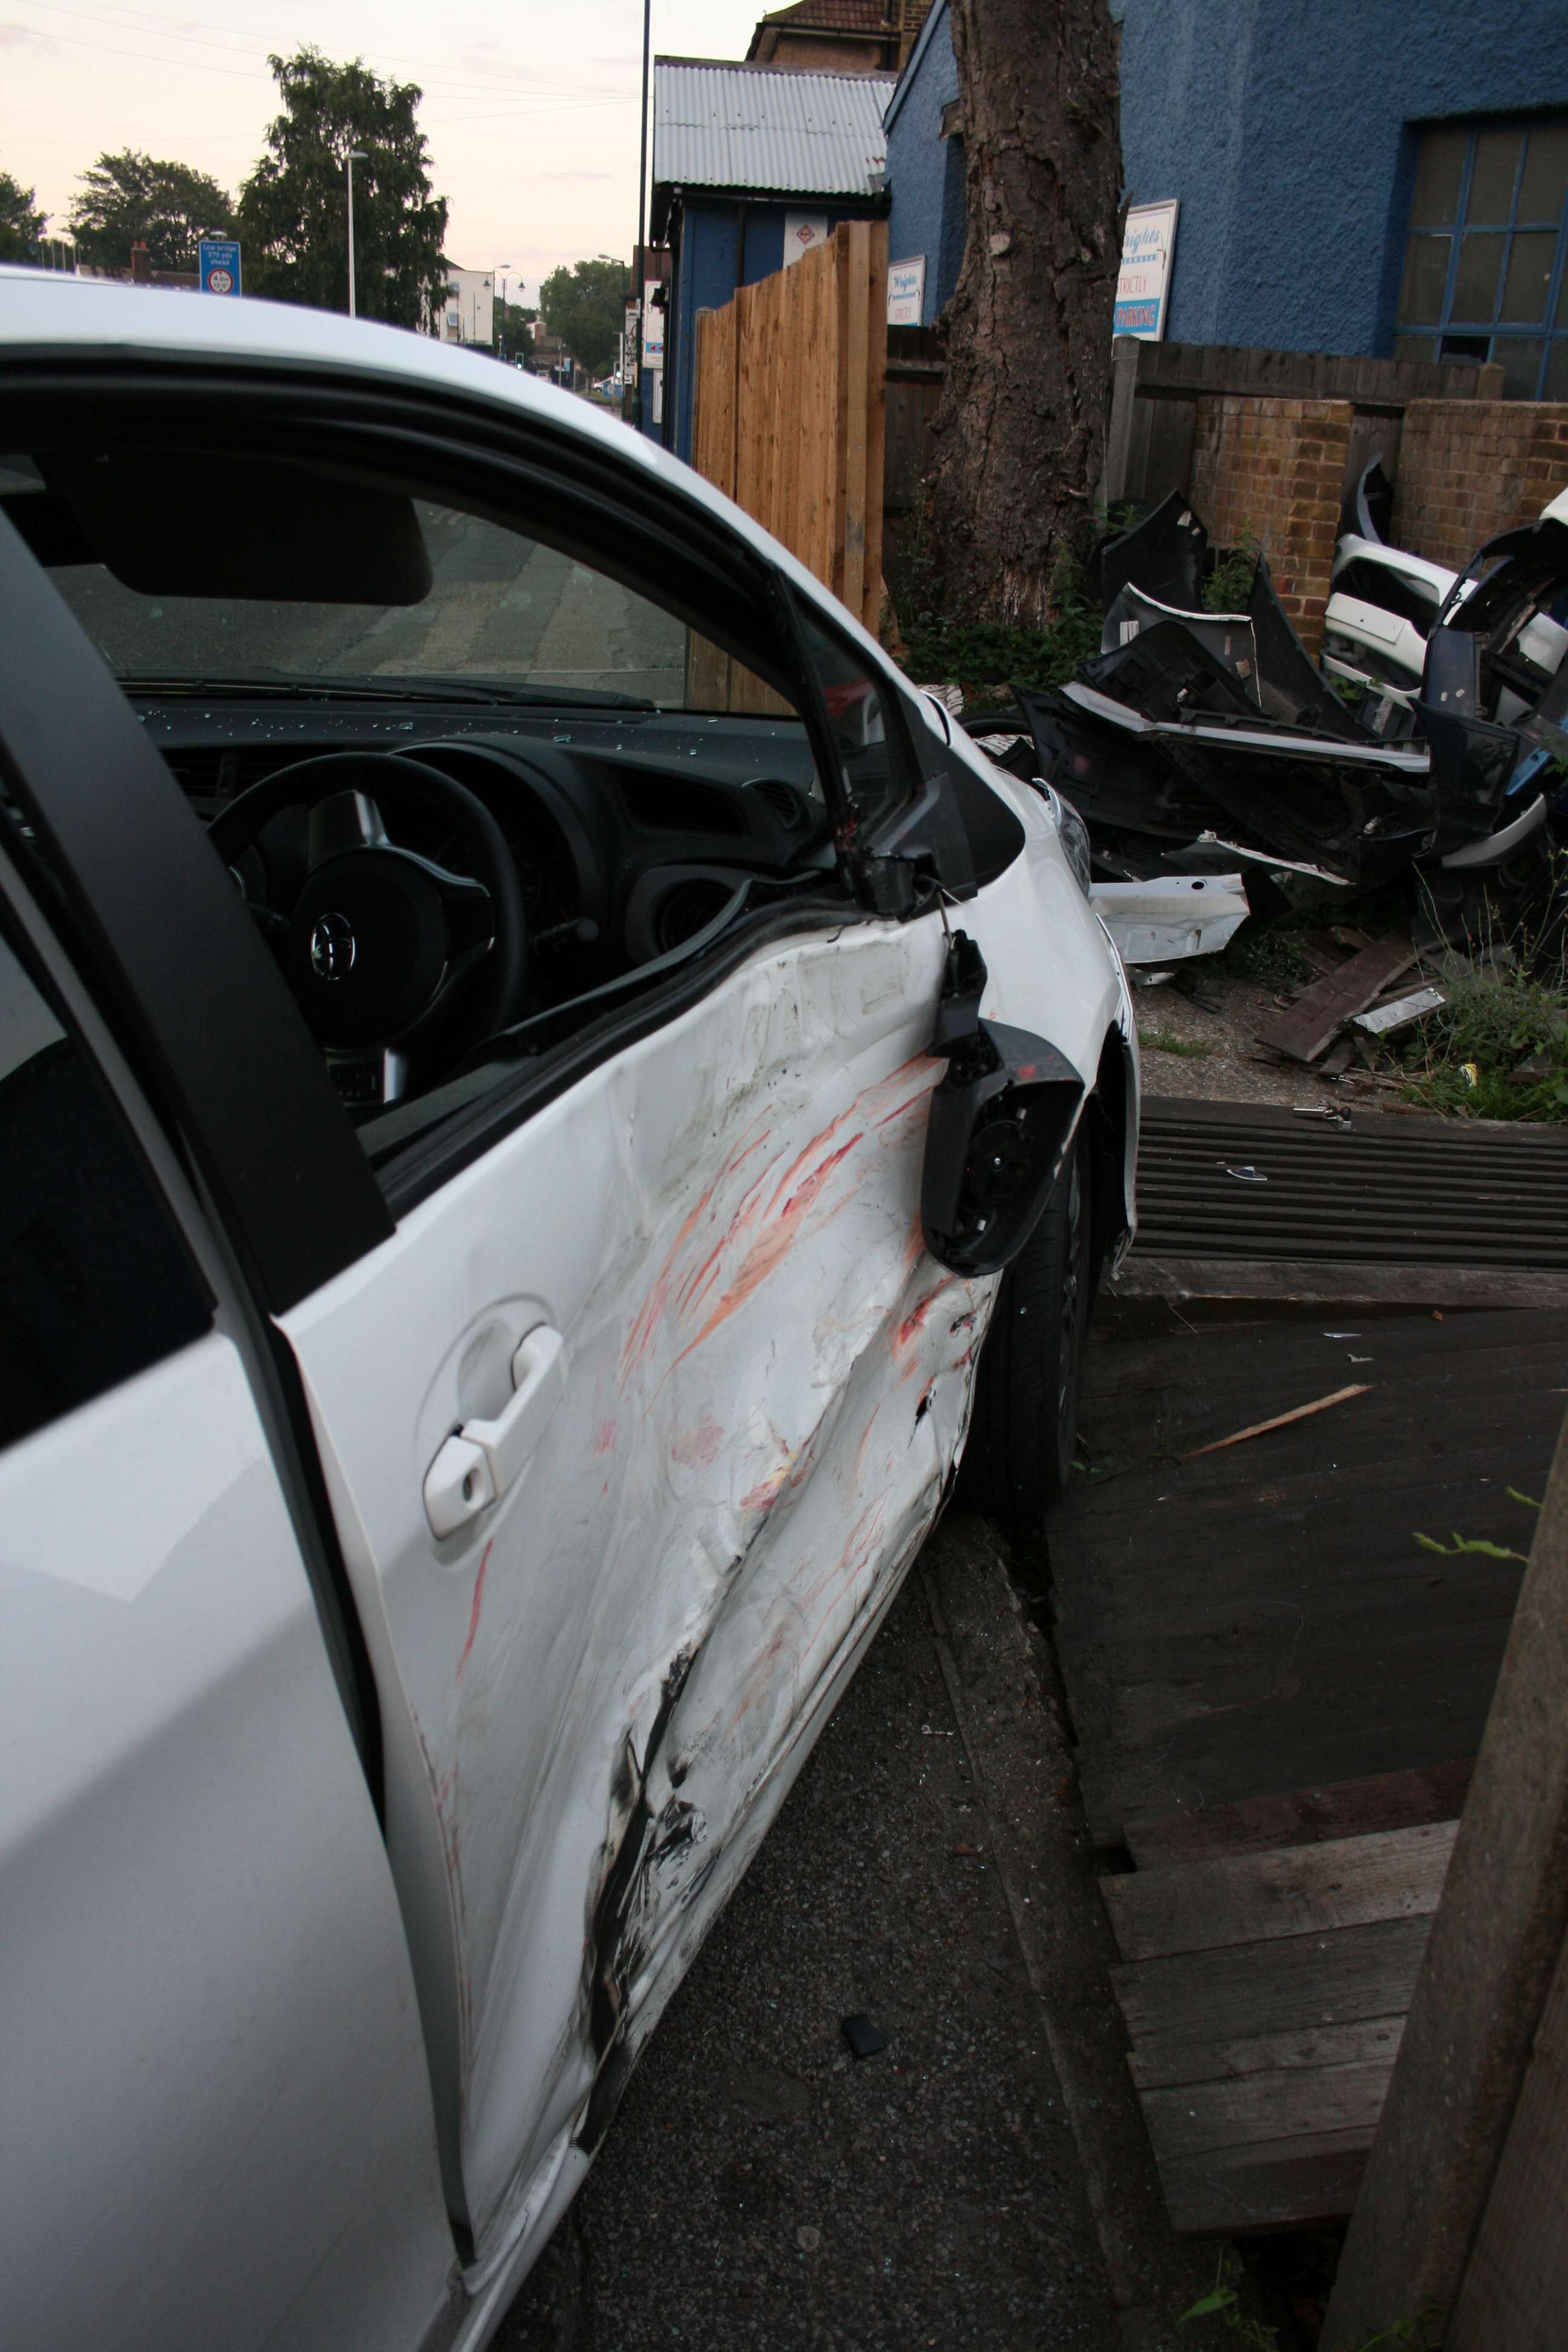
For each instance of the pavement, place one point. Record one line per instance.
(984, 2181)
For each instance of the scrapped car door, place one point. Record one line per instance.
(683, 1320)
(215, 2082)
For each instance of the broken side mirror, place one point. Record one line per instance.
(1000, 1123)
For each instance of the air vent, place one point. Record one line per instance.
(212, 779)
(782, 798)
(686, 908)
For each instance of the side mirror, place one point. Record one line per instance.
(1000, 1124)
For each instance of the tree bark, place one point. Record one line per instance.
(1022, 422)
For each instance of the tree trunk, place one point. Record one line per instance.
(1022, 421)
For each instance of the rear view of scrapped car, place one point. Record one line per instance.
(532, 1061)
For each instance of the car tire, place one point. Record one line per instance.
(1024, 1424)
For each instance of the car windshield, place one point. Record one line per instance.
(502, 612)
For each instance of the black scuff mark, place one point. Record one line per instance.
(616, 1939)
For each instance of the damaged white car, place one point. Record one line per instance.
(532, 1058)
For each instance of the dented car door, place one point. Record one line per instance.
(610, 1673)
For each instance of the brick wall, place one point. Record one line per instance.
(1275, 470)
(1471, 468)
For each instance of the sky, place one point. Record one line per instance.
(531, 110)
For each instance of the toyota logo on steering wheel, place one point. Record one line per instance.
(333, 948)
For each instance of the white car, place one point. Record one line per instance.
(532, 1056)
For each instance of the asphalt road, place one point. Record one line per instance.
(759, 2185)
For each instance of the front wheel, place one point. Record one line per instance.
(1025, 1424)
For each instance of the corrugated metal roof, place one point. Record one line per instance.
(732, 126)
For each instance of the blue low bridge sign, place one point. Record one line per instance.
(219, 265)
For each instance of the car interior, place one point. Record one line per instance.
(477, 791)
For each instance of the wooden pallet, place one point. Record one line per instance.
(1265, 1994)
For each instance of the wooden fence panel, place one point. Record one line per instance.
(790, 409)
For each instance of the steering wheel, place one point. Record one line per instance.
(383, 948)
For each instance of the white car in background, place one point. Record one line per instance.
(533, 1057)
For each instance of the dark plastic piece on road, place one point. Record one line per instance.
(866, 2039)
(1163, 554)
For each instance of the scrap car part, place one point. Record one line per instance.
(1163, 553)
(1226, 635)
(1172, 917)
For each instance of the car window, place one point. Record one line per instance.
(94, 1282)
(499, 607)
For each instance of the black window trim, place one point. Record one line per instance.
(159, 934)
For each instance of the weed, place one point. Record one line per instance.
(1462, 1056)
(1267, 953)
(943, 645)
(1229, 585)
(1224, 2303)
(1165, 1041)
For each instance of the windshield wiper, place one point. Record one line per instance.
(382, 690)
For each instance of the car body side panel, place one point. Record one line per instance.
(216, 2122)
(767, 1385)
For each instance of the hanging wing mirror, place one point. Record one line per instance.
(1000, 1123)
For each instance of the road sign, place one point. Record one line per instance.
(219, 270)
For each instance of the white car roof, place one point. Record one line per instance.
(49, 310)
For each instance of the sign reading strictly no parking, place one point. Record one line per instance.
(1144, 281)
(219, 265)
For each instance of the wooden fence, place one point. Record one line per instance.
(790, 408)
(1157, 389)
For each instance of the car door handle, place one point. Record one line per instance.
(479, 1461)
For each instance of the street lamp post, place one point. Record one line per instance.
(356, 156)
(501, 324)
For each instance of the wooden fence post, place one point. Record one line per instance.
(1125, 352)
(1480, 1999)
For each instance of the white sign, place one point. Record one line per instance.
(906, 291)
(1143, 282)
(802, 231)
(652, 327)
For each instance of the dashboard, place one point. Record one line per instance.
(631, 830)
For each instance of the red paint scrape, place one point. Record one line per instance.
(474, 1612)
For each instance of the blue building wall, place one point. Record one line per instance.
(721, 244)
(925, 172)
(1289, 134)
(1287, 128)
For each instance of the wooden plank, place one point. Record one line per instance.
(1284, 1890)
(1249, 2110)
(1305, 1816)
(1315, 1019)
(1332, 1282)
(1283, 2184)
(1181, 2004)
(1515, 2290)
(1371, 2040)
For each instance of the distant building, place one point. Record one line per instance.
(863, 37)
(468, 313)
(1386, 182)
(751, 165)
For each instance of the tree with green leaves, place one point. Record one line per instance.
(294, 206)
(514, 331)
(131, 198)
(585, 306)
(21, 223)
